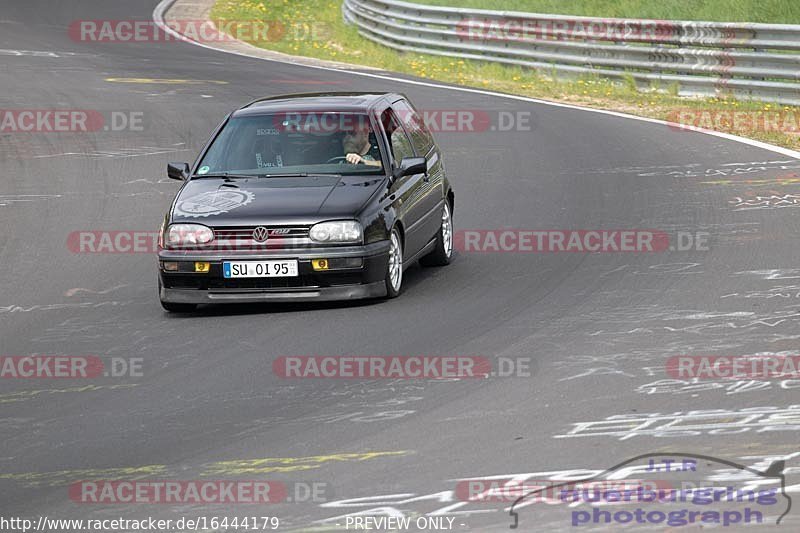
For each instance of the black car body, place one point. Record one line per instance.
(274, 171)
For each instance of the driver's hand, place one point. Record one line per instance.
(354, 159)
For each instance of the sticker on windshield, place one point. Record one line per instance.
(213, 203)
(204, 170)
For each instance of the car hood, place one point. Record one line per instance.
(305, 200)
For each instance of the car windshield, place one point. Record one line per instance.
(294, 143)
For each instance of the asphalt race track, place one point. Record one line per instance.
(597, 328)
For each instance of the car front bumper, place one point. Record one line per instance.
(187, 286)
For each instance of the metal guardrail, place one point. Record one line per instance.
(760, 61)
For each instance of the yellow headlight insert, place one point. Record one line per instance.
(203, 267)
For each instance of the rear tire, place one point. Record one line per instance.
(394, 267)
(443, 253)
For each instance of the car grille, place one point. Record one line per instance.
(241, 238)
(298, 232)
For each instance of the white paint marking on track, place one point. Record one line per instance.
(37, 53)
(164, 5)
(120, 153)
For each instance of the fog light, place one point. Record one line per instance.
(202, 266)
(170, 266)
(349, 262)
(336, 263)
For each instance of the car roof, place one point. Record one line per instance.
(327, 101)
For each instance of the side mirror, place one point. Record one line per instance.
(178, 171)
(411, 165)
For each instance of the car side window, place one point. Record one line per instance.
(399, 142)
(421, 137)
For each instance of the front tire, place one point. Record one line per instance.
(443, 253)
(394, 267)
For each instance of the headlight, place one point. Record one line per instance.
(188, 235)
(341, 231)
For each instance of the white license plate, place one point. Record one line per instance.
(260, 269)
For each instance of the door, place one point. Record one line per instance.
(431, 194)
(408, 190)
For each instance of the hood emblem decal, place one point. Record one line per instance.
(212, 203)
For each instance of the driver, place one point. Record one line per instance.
(357, 147)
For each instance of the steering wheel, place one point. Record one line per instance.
(341, 159)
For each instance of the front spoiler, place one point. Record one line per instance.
(316, 294)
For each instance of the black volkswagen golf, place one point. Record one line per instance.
(325, 196)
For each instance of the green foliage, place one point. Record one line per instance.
(776, 11)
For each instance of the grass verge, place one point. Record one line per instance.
(314, 28)
(773, 11)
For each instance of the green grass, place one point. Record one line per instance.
(332, 39)
(776, 11)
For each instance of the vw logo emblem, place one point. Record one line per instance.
(260, 234)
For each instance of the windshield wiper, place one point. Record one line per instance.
(299, 175)
(226, 175)
(229, 176)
